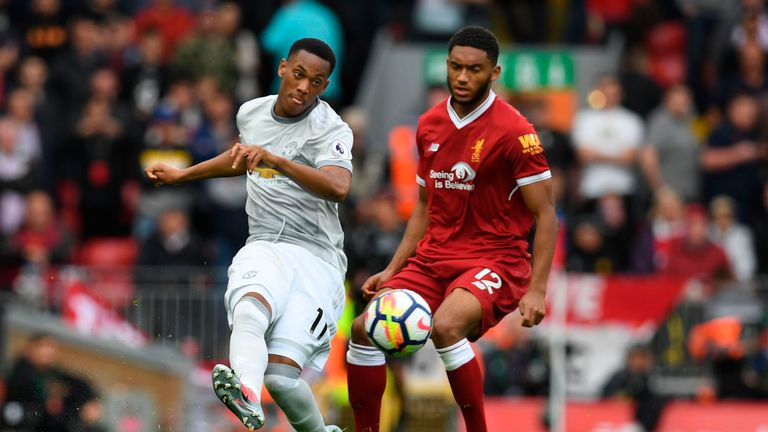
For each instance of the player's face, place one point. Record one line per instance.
(304, 78)
(470, 74)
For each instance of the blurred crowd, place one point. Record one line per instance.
(664, 170)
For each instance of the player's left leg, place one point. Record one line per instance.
(458, 317)
(302, 334)
(476, 301)
(293, 395)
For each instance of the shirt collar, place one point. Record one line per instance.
(469, 118)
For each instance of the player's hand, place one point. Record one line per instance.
(162, 174)
(532, 307)
(252, 155)
(373, 283)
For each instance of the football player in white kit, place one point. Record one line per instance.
(285, 292)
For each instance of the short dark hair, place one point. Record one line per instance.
(476, 37)
(316, 47)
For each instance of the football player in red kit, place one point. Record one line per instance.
(484, 180)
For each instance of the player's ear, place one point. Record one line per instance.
(282, 67)
(496, 72)
(325, 86)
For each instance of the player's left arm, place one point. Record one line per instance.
(329, 182)
(539, 199)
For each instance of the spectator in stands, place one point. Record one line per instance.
(246, 50)
(641, 93)
(41, 397)
(760, 226)
(41, 240)
(144, 83)
(371, 242)
(588, 251)
(633, 382)
(71, 70)
(172, 21)
(100, 11)
(173, 244)
(167, 139)
(607, 139)
(32, 76)
(102, 146)
(9, 55)
(753, 27)
(733, 237)
(667, 222)
(43, 29)
(722, 343)
(222, 198)
(706, 23)
(750, 77)
(20, 159)
(608, 18)
(369, 165)
(670, 158)
(119, 51)
(731, 158)
(527, 21)
(694, 255)
(297, 19)
(437, 20)
(205, 51)
(618, 233)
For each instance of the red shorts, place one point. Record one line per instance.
(498, 283)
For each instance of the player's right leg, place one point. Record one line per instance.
(239, 388)
(366, 378)
(251, 302)
(366, 369)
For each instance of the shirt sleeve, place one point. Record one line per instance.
(526, 156)
(336, 150)
(421, 167)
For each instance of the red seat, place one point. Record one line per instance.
(666, 38)
(668, 70)
(108, 252)
(109, 262)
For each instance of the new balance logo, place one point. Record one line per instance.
(433, 147)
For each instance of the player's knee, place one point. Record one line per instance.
(281, 378)
(278, 384)
(250, 315)
(358, 331)
(447, 330)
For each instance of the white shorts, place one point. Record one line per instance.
(305, 293)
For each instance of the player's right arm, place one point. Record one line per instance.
(414, 231)
(223, 165)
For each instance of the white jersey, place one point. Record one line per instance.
(279, 210)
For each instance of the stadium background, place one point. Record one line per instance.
(662, 284)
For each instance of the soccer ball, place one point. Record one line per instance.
(398, 322)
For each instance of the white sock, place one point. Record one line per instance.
(293, 395)
(456, 355)
(247, 348)
(362, 355)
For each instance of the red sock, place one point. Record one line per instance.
(467, 386)
(366, 388)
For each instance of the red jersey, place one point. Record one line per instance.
(472, 169)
